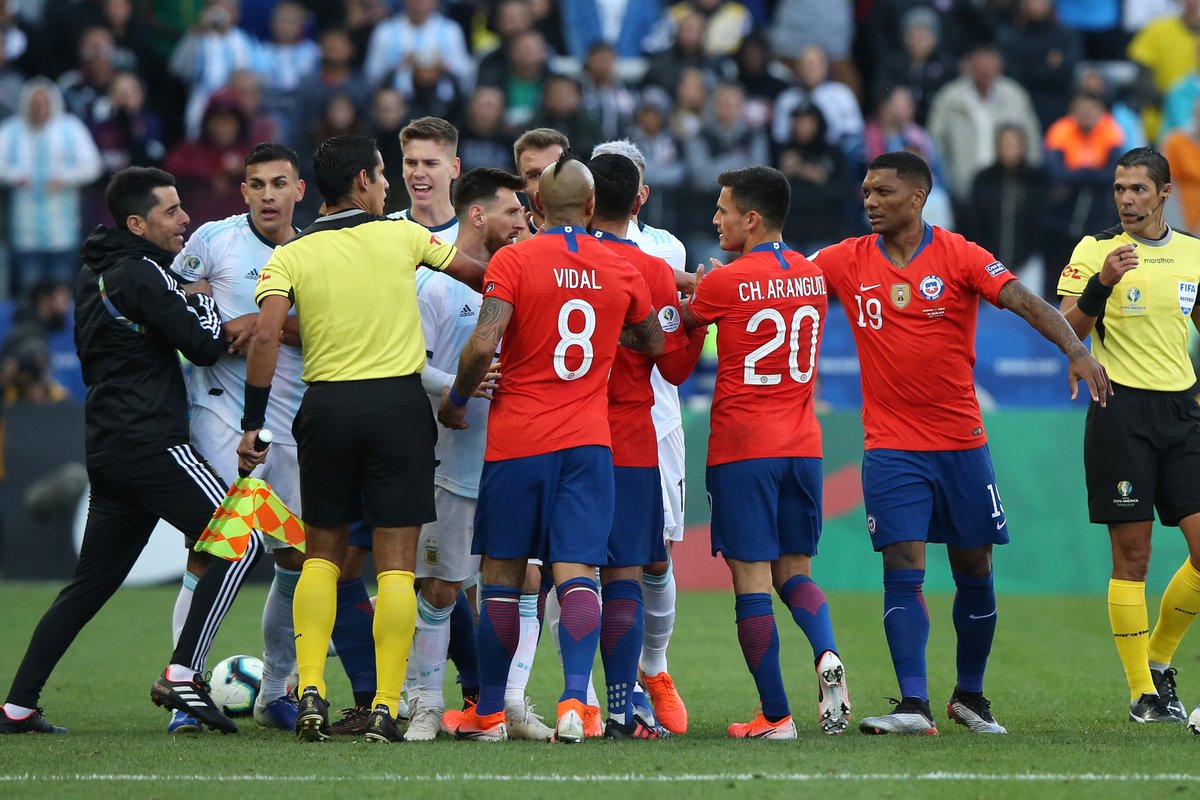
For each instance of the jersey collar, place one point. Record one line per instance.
(259, 234)
(925, 240)
(605, 236)
(568, 232)
(407, 214)
(778, 248)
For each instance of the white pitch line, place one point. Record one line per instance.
(798, 777)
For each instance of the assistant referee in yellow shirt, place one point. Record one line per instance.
(365, 431)
(1133, 288)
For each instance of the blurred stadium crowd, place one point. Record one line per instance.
(1021, 107)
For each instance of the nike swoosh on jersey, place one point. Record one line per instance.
(863, 288)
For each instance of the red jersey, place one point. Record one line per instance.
(915, 332)
(570, 295)
(630, 395)
(769, 307)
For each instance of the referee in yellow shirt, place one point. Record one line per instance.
(1133, 288)
(365, 431)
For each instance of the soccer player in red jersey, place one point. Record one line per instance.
(636, 539)
(560, 300)
(912, 292)
(764, 470)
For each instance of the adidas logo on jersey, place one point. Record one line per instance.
(252, 275)
(467, 311)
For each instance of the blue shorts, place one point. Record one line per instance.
(636, 538)
(941, 496)
(361, 534)
(557, 507)
(763, 508)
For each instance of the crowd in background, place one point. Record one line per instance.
(1021, 107)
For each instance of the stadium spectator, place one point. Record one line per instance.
(85, 87)
(25, 374)
(562, 109)
(265, 125)
(360, 18)
(965, 24)
(46, 157)
(1179, 101)
(435, 91)
(1166, 51)
(1093, 81)
(208, 54)
(605, 95)
(134, 49)
(966, 112)
(130, 135)
(624, 26)
(922, 63)
(798, 23)
(482, 141)
(289, 59)
(209, 167)
(819, 179)
(836, 101)
(762, 78)
(522, 76)
(389, 113)
(1099, 21)
(728, 22)
(666, 162)
(894, 127)
(417, 35)
(17, 58)
(666, 68)
(547, 20)
(336, 74)
(510, 18)
(691, 97)
(1041, 55)
(1182, 149)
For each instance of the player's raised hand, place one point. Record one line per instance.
(1117, 263)
(1083, 367)
(685, 282)
(450, 415)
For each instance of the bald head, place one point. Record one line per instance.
(566, 193)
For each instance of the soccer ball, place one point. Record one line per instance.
(235, 683)
(1194, 721)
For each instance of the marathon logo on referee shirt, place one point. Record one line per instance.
(1187, 296)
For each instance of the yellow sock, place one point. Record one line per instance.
(1127, 614)
(395, 621)
(1180, 605)
(314, 607)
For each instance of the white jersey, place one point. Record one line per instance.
(228, 254)
(664, 245)
(447, 232)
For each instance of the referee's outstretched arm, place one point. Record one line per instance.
(467, 270)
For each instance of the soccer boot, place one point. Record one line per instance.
(760, 728)
(833, 699)
(593, 721)
(425, 722)
(669, 710)
(1151, 708)
(974, 711)
(1164, 682)
(571, 728)
(183, 722)
(312, 716)
(523, 723)
(912, 716)
(279, 713)
(352, 723)
(381, 727)
(191, 697)
(638, 728)
(468, 725)
(1193, 722)
(34, 723)
(639, 703)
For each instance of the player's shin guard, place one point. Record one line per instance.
(430, 643)
(658, 597)
(462, 648)
(498, 633)
(522, 662)
(906, 624)
(578, 635)
(183, 603)
(975, 625)
(1129, 619)
(215, 592)
(314, 607)
(1180, 605)
(621, 626)
(807, 603)
(353, 639)
(279, 637)
(759, 640)
(395, 620)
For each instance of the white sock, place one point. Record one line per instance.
(553, 614)
(183, 604)
(1158, 666)
(522, 663)
(428, 662)
(14, 711)
(180, 672)
(658, 597)
(279, 637)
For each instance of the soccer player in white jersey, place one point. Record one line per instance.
(658, 580)
(430, 146)
(228, 254)
(489, 217)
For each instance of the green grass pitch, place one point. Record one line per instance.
(1054, 680)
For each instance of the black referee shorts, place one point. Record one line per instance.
(1140, 453)
(366, 452)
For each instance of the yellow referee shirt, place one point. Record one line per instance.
(1142, 336)
(352, 278)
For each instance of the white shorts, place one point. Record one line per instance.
(216, 441)
(672, 471)
(444, 548)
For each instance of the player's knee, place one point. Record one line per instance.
(289, 558)
(439, 593)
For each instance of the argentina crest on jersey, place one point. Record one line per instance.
(1187, 295)
(931, 287)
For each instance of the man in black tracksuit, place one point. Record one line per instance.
(131, 316)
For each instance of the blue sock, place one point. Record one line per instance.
(463, 650)
(975, 624)
(498, 633)
(810, 611)
(906, 623)
(354, 640)
(578, 635)
(760, 645)
(622, 621)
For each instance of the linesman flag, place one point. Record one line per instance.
(250, 503)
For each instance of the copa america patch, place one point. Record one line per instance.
(668, 318)
(931, 287)
(191, 267)
(995, 268)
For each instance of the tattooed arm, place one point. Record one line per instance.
(646, 336)
(1052, 325)
(473, 362)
